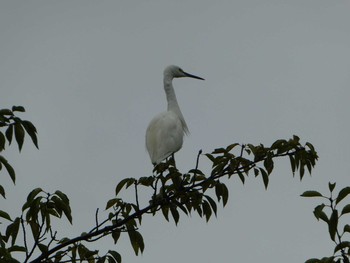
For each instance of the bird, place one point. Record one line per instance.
(165, 132)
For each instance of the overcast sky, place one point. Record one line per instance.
(89, 74)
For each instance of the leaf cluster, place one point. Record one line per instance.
(225, 162)
(37, 214)
(14, 127)
(332, 214)
(170, 194)
(174, 193)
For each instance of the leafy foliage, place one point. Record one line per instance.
(13, 125)
(170, 193)
(333, 219)
(173, 194)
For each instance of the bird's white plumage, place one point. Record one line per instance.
(164, 135)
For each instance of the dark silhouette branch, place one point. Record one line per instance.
(165, 199)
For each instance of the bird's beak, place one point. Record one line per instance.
(192, 76)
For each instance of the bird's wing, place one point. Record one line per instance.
(164, 136)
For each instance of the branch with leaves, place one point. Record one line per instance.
(172, 193)
(333, 221)
(18, 127)
(167, 191)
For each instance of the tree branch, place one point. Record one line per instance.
(164, 199)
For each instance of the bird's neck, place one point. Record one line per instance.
(170, 96)
(172, 101)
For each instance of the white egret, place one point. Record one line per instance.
(164, 135)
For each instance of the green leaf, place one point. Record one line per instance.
(218, 191)
(268, 164)
(122, 183)
(309, 166)
(199, 210)
(5, 215)
(342, 245)
(19, 135)
(17, 249)
(231, 146)
(256, 172)
(82, 251)
(296, 139)
(301, 171)
(9, 168)
(175, 214)
(329, 260)
(333, 224)
(63, 240)
(221, 191)
(2, 191)
(146, 180)
(219, 150)
(311, 194)
(265, 177)
(136, 241)
(12, 230)
(115, 255)
(346, 209)
(212, 204)
(165, 211)
(33, 209)
(63, 196)
(18, 108)
(2, 141)
(59, 255)
(319, 214)
(225, 195)
(206, 210)
(140, 241)
(331, 186)
(116, 235)
(182, 207)
(74, 253)
(34, 193)
(90, 255)
(278, 144)
(347, 228)
(342, 194)
(311, 147)
(210, 157)
(35, 229)
(241, 176)
(63, 206)
(112, 202)
(31, 130)
(6, 112)
(43, 248)
(9, 133)
(323, 217)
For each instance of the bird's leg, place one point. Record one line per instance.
(173, 159)
(170, 160)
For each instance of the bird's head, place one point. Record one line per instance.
(173, 71)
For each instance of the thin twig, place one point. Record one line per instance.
(36, 242)
(243, 146)
(24, 236)
(96, 219)
(197, 163)
(137, 196)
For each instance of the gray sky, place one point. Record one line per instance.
(89, 74)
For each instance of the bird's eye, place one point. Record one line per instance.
(180, 69)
